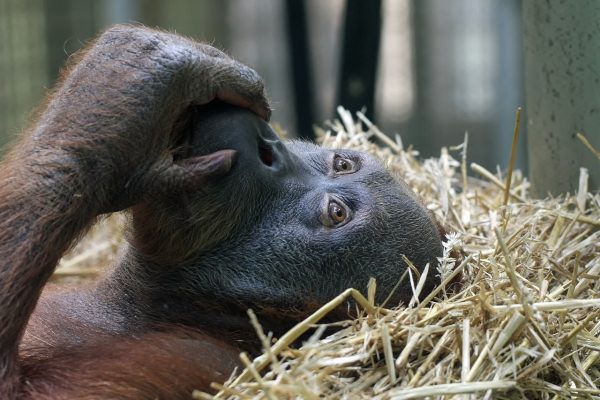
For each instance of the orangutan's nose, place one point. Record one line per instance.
(273, 153)
(266, 151)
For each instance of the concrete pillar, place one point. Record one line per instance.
(562, 82)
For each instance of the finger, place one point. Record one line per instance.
(258, 107)
(192, 173)
(240, 85)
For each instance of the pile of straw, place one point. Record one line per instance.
(525, 324)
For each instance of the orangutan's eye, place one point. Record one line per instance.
(337, 213)
(343, 165)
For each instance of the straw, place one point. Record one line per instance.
(524, 324)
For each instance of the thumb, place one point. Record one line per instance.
(189, 174)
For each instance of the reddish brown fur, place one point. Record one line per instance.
(98, 143)
(167, 365)
(106, 140)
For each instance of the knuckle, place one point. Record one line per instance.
(241, 76)
(120, 34)
(212, 51)
(251, 76)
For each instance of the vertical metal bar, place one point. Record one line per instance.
(421, 120)
(360, 53)
(301, 67)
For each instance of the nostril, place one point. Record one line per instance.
(265, 153)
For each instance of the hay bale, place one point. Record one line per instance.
(526, 323)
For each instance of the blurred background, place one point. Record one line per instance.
(428, 70)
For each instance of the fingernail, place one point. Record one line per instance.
(263, 111)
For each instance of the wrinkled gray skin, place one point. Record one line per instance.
(256, 238)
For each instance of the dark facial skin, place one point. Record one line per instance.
(224, 217)
(288, 228)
